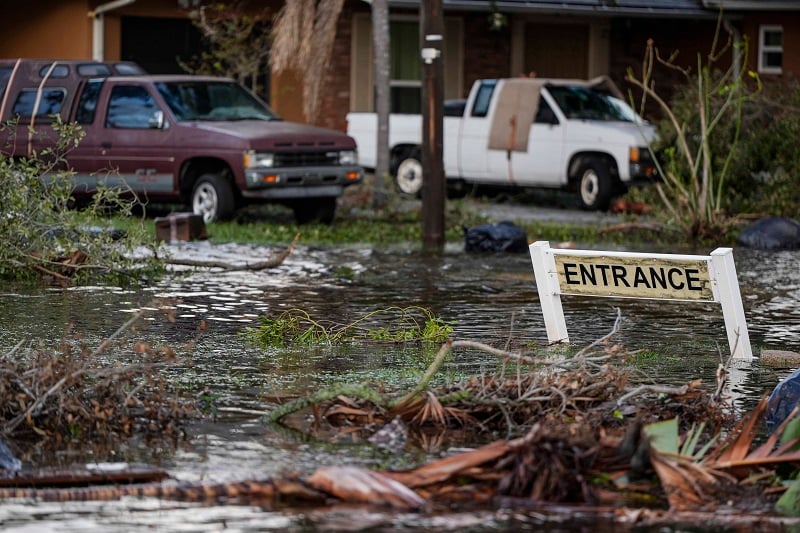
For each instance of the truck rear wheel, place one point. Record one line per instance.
(595, 185)
(409, 173)
(212, 198)
(315, 210)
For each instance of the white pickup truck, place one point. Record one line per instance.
(526, 132)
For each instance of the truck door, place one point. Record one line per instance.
(542, 165)
(539, 163)
(127, 140)
(474, 133)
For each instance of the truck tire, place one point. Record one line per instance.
(212, 198)
(595, 185)
(315, 210)
(408, 176)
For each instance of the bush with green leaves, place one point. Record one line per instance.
(765, 171)
(42, 236)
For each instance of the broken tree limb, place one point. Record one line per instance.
(272, 262)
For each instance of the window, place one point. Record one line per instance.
(49, 103)
(87, 104)
(405, 84)
(5, 74)
(203, 100)
(58, 71)
(93, 70)
(770, 49)
(481, 106)
(130, 106)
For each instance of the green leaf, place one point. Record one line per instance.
(791, 431)
(663, 435)
(789, 502)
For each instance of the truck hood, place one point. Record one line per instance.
(277, 134)
(602, 131)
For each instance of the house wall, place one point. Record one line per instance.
(687, 38)
(487, 54)
(62, 29)
(791, 40)
(53, 29)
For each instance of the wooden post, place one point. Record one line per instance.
(433, 185)
(544, 268)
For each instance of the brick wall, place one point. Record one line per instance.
(629, 40)
(487, 54)
(335, 92)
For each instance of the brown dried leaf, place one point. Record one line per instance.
(352, 484)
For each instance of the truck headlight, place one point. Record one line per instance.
(348, 157)
(254, 159)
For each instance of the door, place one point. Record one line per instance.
(557, 50)
(128, 145)
(541, 164)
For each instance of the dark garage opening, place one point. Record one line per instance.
(159, 45)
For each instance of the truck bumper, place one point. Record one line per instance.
(291, 193)
(305, 182)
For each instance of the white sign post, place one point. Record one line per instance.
(695, 278)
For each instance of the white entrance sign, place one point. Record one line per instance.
(698, 278)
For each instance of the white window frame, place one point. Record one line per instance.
(763, 49)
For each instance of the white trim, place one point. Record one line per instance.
(763, 49)
(98, 26)
(721, 271)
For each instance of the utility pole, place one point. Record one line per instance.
(433, 185)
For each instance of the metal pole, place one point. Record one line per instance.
(433, 185)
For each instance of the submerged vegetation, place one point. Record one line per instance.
(297, 327)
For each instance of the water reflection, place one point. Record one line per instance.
(490, 298)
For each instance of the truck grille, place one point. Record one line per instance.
(302, 159)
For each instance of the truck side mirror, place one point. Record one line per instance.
(157, 120)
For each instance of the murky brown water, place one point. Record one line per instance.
(491, 298)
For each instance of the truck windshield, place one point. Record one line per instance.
(212, 100)
(589, 104)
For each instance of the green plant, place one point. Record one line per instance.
(42, 236)
(765, 167)
(410, 324)
(696, 153)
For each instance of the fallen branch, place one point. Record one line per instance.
(272, 262)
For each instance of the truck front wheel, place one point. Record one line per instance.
(409, 174)
(212, 198)
(595, 186)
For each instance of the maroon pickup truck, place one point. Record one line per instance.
(203, 141)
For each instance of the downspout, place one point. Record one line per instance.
(98, 26)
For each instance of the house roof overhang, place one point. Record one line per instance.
(753, 5)
(605, 8)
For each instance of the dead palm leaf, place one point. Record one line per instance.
(304, 33)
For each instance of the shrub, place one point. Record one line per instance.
(42, 236)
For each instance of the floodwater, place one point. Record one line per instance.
(489, 298)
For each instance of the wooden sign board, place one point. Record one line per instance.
(698, 278)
